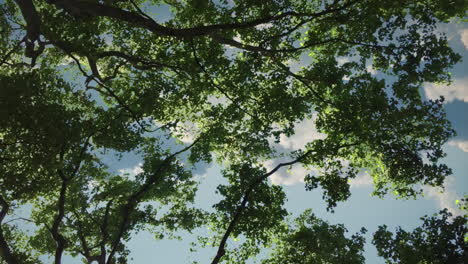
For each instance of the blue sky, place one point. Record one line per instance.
(362, 209)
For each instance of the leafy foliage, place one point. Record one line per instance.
(316, 241)
(210, 81)
(438, 240)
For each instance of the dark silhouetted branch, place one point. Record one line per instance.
(135, 198)
(5, 250)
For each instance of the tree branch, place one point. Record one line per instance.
(30, 15)
(221, 248)
(95, 77)
(86, 252)
(235, 101)
(59, 239)
(33, 22)
(105, 234)
(134, 60)
(13, 50)
(5, 251)
(303, 80)
(135, 198)
(87, 8)
(266, 51)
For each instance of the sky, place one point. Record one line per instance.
(361, 209)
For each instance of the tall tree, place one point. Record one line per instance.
(82, 79)
(440, 239)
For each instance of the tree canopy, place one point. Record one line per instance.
(186, 82)
(438, 240)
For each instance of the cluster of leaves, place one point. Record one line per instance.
(316, 241)
(438, 240)
(82, 79)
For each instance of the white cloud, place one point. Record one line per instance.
(446, 198)
(264, 26)
(216, 100)
(66, 61)
(185, 132)
(362, 180)
(287, 175)
(463, 145)
(237, 38)
(342, 60)
(464, 37)
(371, 70)
(131, 172)
(186, 138)
(457, 90)
(92, 184)
(232, 50)
(304, 132)
(128, 173)
(294, 174)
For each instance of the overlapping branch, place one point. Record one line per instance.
(248, 191)
(60, 240)
(242, 205)
(135, 199)
(95, 9)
